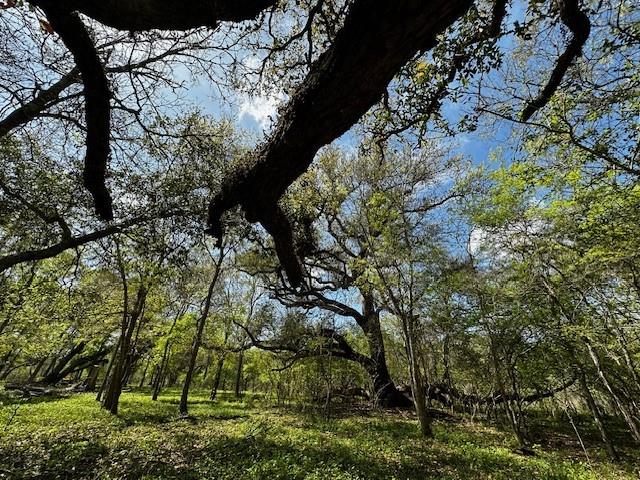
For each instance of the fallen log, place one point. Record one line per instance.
(447, 395)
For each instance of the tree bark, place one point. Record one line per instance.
(92, 378)
(417, 382)
(144, 373)
(375, 41)
(216, 379)
(597, 416)
(107, 374)
(238, 385)
(386, 394)
(114, 386)
(197, 340)
(620, 404)
(36, 370)
(141, 15)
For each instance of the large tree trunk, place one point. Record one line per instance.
(114, 386)
(386, 393)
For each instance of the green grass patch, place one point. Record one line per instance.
(72, 438)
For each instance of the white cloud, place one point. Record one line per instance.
(263, 109)
(477, 238)
(501, 244)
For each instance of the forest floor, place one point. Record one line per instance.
(69, 438)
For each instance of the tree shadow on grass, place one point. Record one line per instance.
(256, 450)
(8, 399)
(165, 410)
(265, 457)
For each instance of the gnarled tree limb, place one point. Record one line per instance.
(125, 15)
(76, 38)
(447, 395)
(578, 22)
(142, 15)
(346, 80)
(43, 100)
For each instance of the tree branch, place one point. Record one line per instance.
(578, 22)
(142, 15)
(343, 83)
(66, 243)
(97, 109)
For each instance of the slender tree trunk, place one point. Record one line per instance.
(628, 358)
(92, 379)
(36, 370)
(238, 387)
(597, 416)
(107, 374)
(216, 379)
(509, 410)
(144, 372)
(620, 404)
(197, 340)
(184, 398)
(154, 374)
(52, 362)
(446, 374)
(162, 368)
(417, 382)
(207, 364)
(159, 380)
(516, 408)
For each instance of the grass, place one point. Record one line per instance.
(73, 438)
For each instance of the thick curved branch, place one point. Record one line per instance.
(31, 109)
(336, 346)
(142, 15)
(97, 109)
(346, 80)
(66, 243)
(578, 22)
(278, 226)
